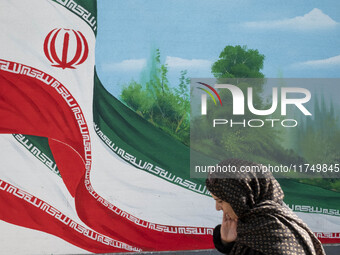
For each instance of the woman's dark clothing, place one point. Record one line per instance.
(226, 248)
(265, 224)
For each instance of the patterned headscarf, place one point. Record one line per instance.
(265, 223)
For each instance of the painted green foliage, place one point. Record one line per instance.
(318, 142)
(323, 131)
(156, 101)
(238, 62)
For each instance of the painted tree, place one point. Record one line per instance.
(156, 101)
(238, 62)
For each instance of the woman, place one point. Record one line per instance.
(255, 219)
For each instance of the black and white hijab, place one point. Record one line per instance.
(265, 223)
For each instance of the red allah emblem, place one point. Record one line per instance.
(68, 42)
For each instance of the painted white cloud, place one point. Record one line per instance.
(125, 65)
(315, 19)
(320, 63)
(181, 63)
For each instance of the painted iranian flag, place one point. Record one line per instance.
(83, 173)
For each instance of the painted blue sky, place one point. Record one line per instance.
(300, 39)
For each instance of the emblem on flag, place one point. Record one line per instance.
(65, 48)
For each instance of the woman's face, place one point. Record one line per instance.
(225, 207)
